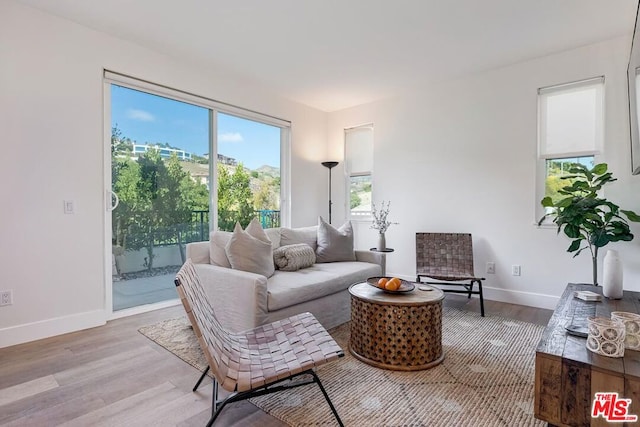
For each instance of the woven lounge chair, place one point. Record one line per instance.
(259, 361)
(448, 258)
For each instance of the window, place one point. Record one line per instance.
(248, 172)
(570, 130)
(358, 156)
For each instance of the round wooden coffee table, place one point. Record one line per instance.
(401, 331)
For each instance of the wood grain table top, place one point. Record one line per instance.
(556, 342)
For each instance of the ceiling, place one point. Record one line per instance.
(333, 54)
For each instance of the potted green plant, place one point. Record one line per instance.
(591, 221)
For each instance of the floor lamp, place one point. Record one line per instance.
(329, 165)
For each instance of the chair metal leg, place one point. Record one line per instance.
(273, 388)
(195, 387)
(481, 298)
(214, 403)
(326, 396)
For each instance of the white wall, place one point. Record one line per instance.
(461, 157)
(51, 116)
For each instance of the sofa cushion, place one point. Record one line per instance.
(287, 288)
(334, 244)
(250, 250)
(294, 257)
(217, 243)
(293, 236)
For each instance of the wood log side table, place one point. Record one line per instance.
(401, 332)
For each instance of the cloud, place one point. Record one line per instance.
(230, 137)
(141, 115)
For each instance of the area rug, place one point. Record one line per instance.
(486, 379)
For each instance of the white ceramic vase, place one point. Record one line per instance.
(612, 275)
(382, 242)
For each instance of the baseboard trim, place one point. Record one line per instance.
(530, 299)
(28, 332)
(510, 296)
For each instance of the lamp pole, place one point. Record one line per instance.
(330, 165)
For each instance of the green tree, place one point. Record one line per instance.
(182, 196)
(354, 200)
(149, 218)
(120, 145)
(234, 197)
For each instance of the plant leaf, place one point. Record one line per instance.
(601, 239)
(547, 203)
(565, 202)
(575, 245)
(634, 217)
(572, 231)
(580, 251)
(599, 169)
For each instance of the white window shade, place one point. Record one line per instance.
(359, 149)
(571, 119)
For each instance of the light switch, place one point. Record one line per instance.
(69, 208)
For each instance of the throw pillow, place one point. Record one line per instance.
(308, 235)
(255, 229)
(334, 244)
(294, 257)
(217, 243)
(250, 250)
(274, 235)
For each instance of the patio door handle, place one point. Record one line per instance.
(111, 196)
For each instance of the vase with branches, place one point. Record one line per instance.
(381, 223)
(589, 220)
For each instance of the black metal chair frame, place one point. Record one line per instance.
(218, 405)
(468, 288)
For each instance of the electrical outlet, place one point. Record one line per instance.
(69, 207)
(6, 298)
(515, 270)
(491, 268)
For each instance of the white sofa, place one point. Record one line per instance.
(243, 300)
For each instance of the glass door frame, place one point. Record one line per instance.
(108, 207)
(214, 107)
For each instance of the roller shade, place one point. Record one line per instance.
(359, 149)
(571, 118)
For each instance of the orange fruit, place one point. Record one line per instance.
(393, 284)
(382, 282)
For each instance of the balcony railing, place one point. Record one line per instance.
(197, 229)
(269, 218)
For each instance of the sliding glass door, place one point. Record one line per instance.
(160, 174)
(179, 170)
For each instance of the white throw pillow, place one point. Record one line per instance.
(334, 244)
(274, 235)
(294, 236)
(250, 250)
(217, 243)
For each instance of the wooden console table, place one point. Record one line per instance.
(568, 375)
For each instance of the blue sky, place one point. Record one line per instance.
(149, 118)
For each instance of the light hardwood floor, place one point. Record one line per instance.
(114, 376)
